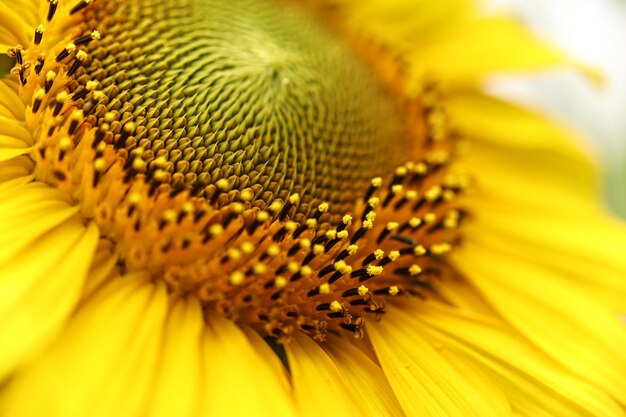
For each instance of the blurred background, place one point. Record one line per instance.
(592, 31)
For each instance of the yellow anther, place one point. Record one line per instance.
(139, 165)
(411, 195)
(234, 254)
(393, 255)
(336, 306)
(415, 221)
(216, 229)
(318, 249)
(304, 243)
(363, 290)
(62, 97)
(448, 195)
(368, 224)
(222, 184)
(430, 218)
(50, 75)
(440, 248)
(280, 282)
(262, 216)
(325, 289)
(397, 189)
(259, 268)
(373, 202)
(109, 117)
(420, 168)
(342, 235)
(310, 223)
(331, 234)
(39, 94)
(77, 115)
(352, 249)
(91, 85)
(294, 198)
(415, 270)
(236, 207)
(95, 35)
(401, 171)
(246, 195)
(377, 182)
(391, 226)
(419, 250)
(347, 219)
(373, 270)
(81, 55)
(65, 143)
(291, 226)
(247, 247)
(379, 254)
(293, 267)
(393, 290)
(340, 265)
(273, 250)
(433, 193)
(306, 271)
(371, 216)
(169, 215)
(275, 206)
(237, 278)
(323, 208)
(99, 164)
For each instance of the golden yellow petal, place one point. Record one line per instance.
(11, 106)
(570, 326)
(366, 382)
(178, 380)
(534, 384)
(15, 172)
(103, 364)
(237, 380)
(586, 250)
(39, 289)
(424, 382)
(319, 387)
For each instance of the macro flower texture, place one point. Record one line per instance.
(295, 208)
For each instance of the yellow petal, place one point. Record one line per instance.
(11, 147)
(319, 387)
(27, 213)
(15, 28)
(178, 381)
(571, 247)
(424, 382)
(561, 320)
(366, 381)
(485, 118)
(103, 364)
(10, 104)
(46, 251)
(15, 172)
(533, 383)
(238, 381)
(481, 47)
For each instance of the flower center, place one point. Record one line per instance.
(238, 151)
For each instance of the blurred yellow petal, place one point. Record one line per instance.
(533, 383)
(365, 380)
(178, 382)
(319, 387)
(425, 383)
(103, 364)
(569, 326)
(238, 381)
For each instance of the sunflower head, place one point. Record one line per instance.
(241, 152)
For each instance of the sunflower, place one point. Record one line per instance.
(294, 208)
